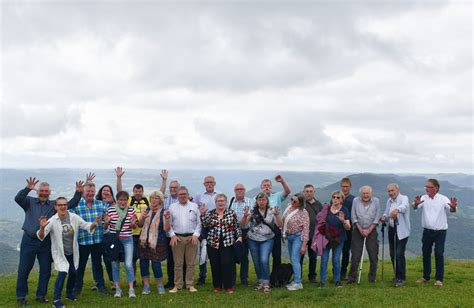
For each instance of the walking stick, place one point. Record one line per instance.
(383, 245)
(395, 224)
(361, 261)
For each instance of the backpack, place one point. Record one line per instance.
(281, 276)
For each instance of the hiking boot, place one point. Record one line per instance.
(438, 283)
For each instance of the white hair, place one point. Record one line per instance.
(393, 185)
(364, 188)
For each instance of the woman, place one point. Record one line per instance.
(223, 232)
(63, 227)
(330, 234)
(121, 219)
(106, 194)
(261, 222)
(296, 231)
(152, 245)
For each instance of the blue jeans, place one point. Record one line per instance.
(30, 249)
(438, 238)
(294, 250)
(155, 266)
(95, 251)
(59, 284)
(128, 249)
(336, 263)
(261, 258)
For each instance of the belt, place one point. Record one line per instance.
(184, 234)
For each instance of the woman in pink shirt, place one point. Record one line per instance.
(296, 231)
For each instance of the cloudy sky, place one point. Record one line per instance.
(312, 86)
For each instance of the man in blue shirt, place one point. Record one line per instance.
(31, 247)
(275, 200)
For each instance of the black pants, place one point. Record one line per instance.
(346, 253)
(372, 246)
(95, 251)
(436, 238)
(222, 264)
(276, 251)
(399, 254)
(313, 261)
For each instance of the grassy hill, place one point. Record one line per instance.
(457, 292)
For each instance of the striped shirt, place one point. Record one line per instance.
(98, 208)
(126, 230)
(185, 219)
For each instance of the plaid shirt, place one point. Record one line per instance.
(98, 208)
(227, 228)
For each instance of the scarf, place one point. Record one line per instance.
(287, 217)
(122, 215)
(153, 226)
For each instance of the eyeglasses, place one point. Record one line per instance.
(294, 200)
(60, 204)
(336, 197)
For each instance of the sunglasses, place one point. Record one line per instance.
(336, 197)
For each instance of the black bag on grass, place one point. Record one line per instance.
(281, 276)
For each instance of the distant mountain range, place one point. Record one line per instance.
(459, 242)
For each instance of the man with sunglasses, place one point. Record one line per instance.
(434, 221)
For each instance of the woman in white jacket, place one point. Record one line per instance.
(63, 228)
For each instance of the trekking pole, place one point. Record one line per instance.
(361, 261)
(395, 224)
(383, 245)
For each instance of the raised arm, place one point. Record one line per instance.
(44, 229)
(119, 172)
(21, 196)
(77, 195)
(164, 178)
(286, 187)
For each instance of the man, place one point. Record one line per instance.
(313, 207)
(140, 204)
(275, 201)
(397, 213)
(90, 244)
(169, 199)
(434, 221)
(239, 204)
(365, 216)
(31, 247)
(346, 186)
(205, 198)
(183, 223)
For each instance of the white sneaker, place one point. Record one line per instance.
(118, 292)
(131, 293)
(295, 286)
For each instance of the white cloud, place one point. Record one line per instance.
(308, 86)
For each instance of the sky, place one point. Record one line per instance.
(356, 86)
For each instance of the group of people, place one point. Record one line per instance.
(177, 227)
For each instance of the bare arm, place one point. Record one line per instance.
(164, 178)
(119, 172)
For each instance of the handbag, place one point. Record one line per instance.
(113, 248)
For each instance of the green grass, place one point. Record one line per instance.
(458, 291)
